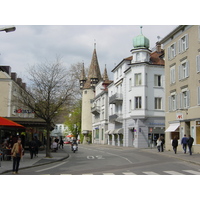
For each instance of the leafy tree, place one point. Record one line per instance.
(73, 120)
(51, 88)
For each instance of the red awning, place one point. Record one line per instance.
(70, 136)
(8, 123)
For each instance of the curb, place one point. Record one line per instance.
(38, 164)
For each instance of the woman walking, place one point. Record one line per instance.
(175, 144)
(159, 142)
(17, 152)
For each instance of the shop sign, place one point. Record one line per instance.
(24, 111)
(179, 116)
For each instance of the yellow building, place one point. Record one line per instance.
(182, 86)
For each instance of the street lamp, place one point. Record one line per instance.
(8, 29)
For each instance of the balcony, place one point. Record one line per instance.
(116, 118)
(95, 110)
(117, 97)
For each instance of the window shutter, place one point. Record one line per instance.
(177, 98)
(179, 46)
(168, 51)
(170, 103)
(188, 99)
(181, 100)
(198, 96)
(180, 72)
(198, 63)
(186, 41)
(174, 49)
(187, 69)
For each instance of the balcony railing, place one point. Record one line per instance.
(95, 110)
(117, 97)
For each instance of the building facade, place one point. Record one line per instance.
(182, 86)
(136, 97)
(87, 85)
(100, 111)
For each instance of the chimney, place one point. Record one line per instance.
(158, 47)
(14, 76)
(24, 86)
(19, 81)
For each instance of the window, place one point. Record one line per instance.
(138, 57)
(130, 83)
(183, 44)
(138, 102)
(184, 70)
(173, 102)
(198, 97)
(138, 79)
(172, 75)
(198, 63)
(130, 105)
(158, 102)
(172, 51)
(184, 99)
(157, 80)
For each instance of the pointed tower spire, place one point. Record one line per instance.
(94, 75)
(105, 75)
(82, 77)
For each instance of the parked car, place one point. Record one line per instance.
(67, 142)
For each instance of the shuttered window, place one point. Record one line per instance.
(198, 63)
(183, 44)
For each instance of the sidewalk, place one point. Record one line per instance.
(26, 162)
(194, 158)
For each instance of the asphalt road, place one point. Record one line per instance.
(105, 160)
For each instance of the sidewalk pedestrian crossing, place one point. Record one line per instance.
(182, 172)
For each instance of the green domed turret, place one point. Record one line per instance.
(141, 41)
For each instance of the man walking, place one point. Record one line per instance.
(184, 143)
(190, 143)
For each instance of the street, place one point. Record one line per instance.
(110, 160)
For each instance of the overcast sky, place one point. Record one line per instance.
(32, 44)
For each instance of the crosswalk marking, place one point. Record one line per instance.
(192, 172)
(173, 173)
(87, 174)
(108, 174)
(150, 173)
(128, 173)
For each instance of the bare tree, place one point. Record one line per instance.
(51, 88)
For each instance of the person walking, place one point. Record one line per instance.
(32, 147)
(190, 143)
(162, 143)
(61, 143)
(184, 143)
(17, 153)
(175, 144)
(159, 142)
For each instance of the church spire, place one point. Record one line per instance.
(82, 77)
(94, 75)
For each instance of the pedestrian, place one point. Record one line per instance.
(184, 143)
(57, 141)
(162, 143)
(190, 143)
(159, 141)
(38, 144)
(175, 144)
(17, 152)
(32, 147)
(61, 143)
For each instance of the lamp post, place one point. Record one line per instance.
(8, 29)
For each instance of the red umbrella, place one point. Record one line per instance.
(8, 123)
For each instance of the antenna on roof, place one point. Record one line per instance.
(141, 29)
(158, 37)
(94, 44)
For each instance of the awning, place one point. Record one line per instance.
(172, 127)
(117, 131)
(8, 123)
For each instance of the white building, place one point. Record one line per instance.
(136, 97)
